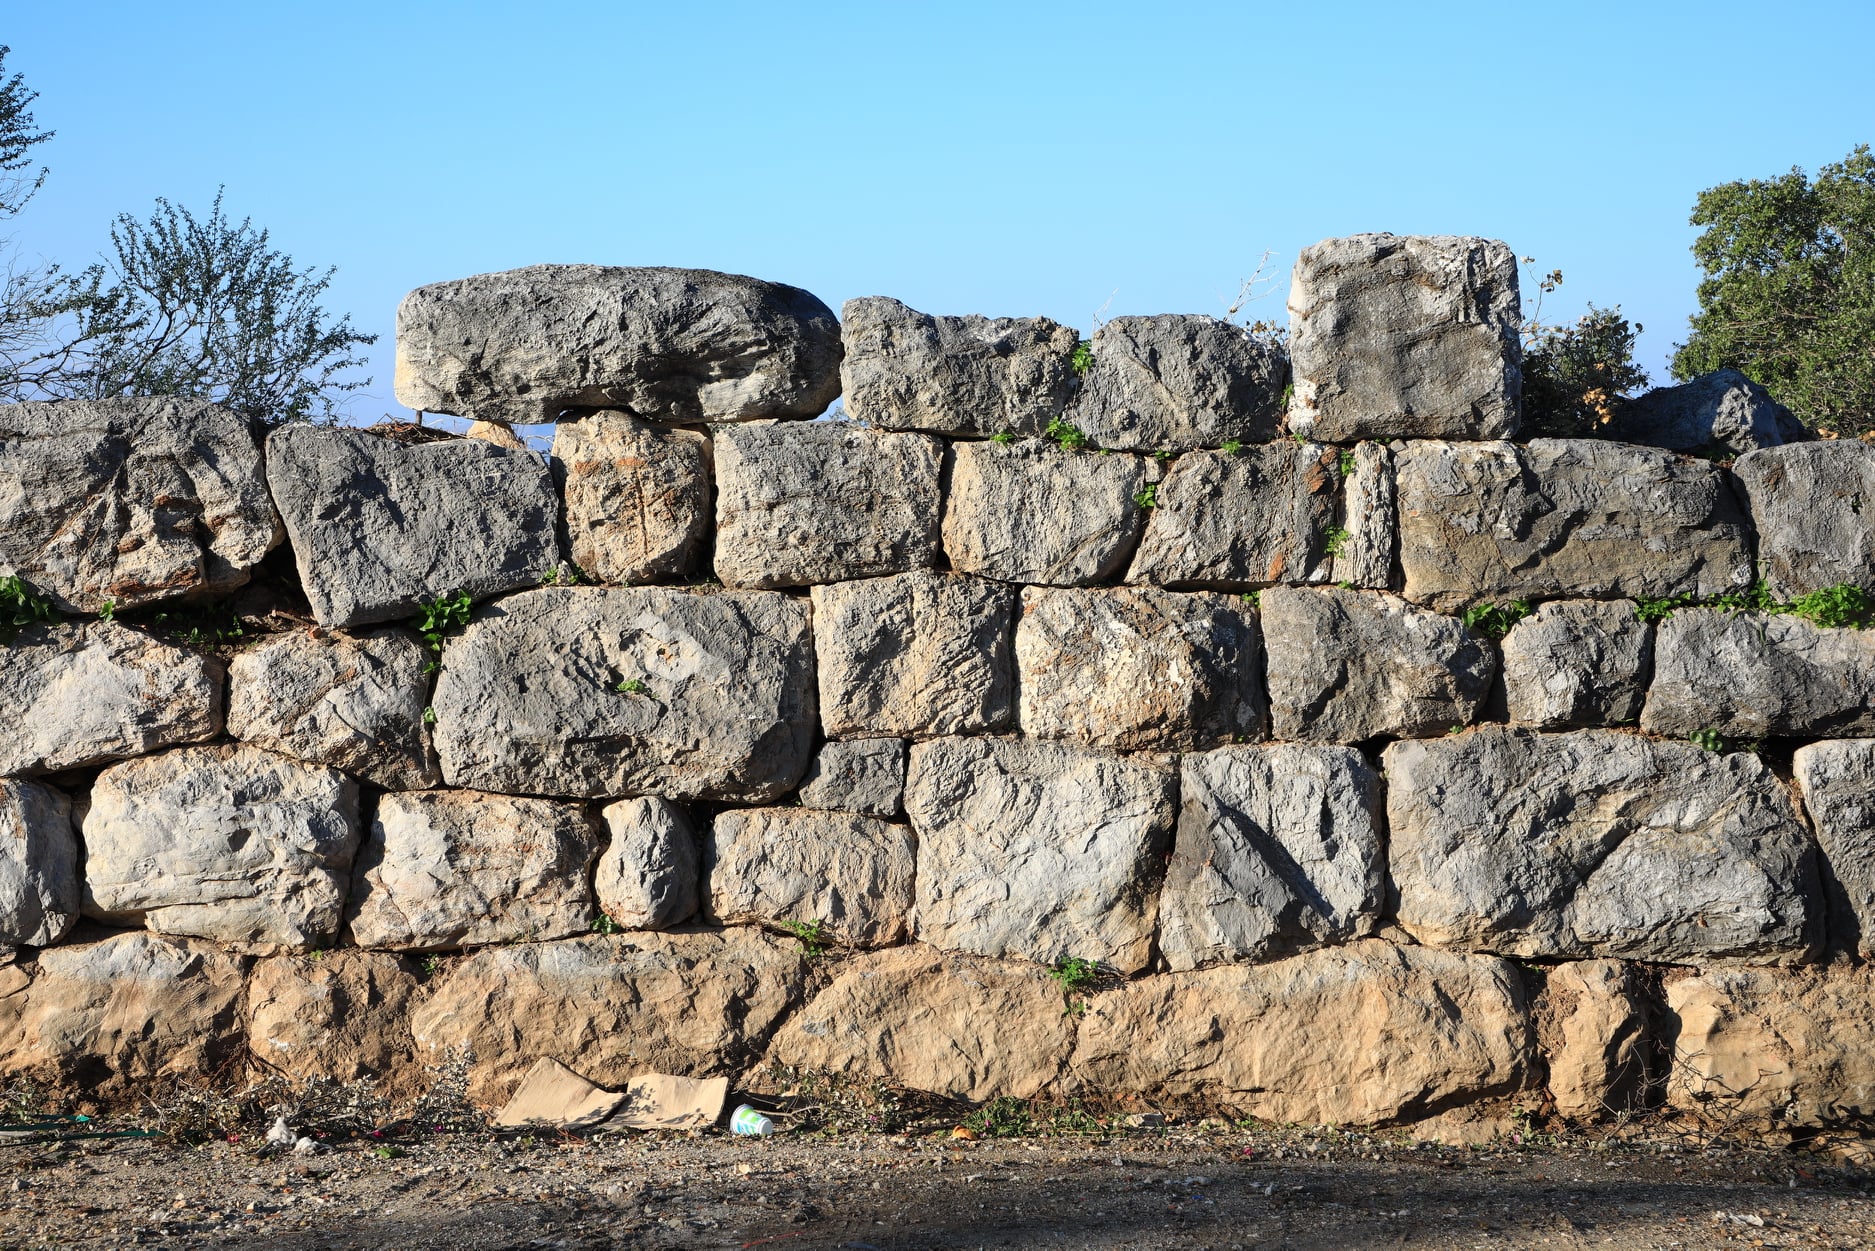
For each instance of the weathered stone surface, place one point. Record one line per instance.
(130, 501)
(1278, 849)
(906, 370)
(38, 865)
(1597, 843)
(636, 496)
(679, 345)
(1592, 1027)
(234, 843)
(353, 702)
(1753, 674)
(1345, 666)
(850, 873)
(1836, 781)
(1256, 517)
(1138, 668)
(1352, 1035)
(695, 1005)
(1177, 382)
(82, 693)
(864, 775)
(957, 1026)
(340, 1016)
(1813, 505)
(1578, 663)
(1370, 519)
(444, 869)
(649, 876)
(1723, 409)
(1038, 850)
(528, 698)
(1035, 513)
(800, 504)
(1564, 518)
(1405, 337)
(500, 433)
(916, 656)
(381, 528)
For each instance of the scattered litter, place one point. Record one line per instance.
(1740, 1218)
(750, 1123)
(281, 1134)
(308, 1146)
(552, 1094)
(965, 1134)
(661, 1101)
(1145, 1120)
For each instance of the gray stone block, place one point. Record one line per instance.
(863, 775)
(1578, 663)
(1749, 675)
(1177, 382)
(39, 891)
(1813, 505)
(637, 496)
(1723, 409)
(1836, 781)
(849, 874)
(1035, 513)
(649, 876)
(1370, 521)
(1256, 518)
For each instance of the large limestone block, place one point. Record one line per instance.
(1038, 850)
(1253, 518)
(906, 370)
(352, 702)
(1138, 668)
(649, 875)
(1578, 663)
(231, 843)
(864, 775)
(1346, 666)
(1597, 843)
(1565, 518)
(1592, 1027)
(1035, 513)
(956, 1026)
(38, 865)
(1413, 337)
(916, 656)
(1836, 781)
(529, 701)
(1813, 505)
(445, 869)
(823, 502)
(1370, 520)
(339, 1016)
(636, 496)
(1748, 675)
(1354, 1035)
(130, 501)
(695, 1004)
(849, 873)
(676, 345)
(1278, 849)
(1723, 410)
(82, 693)
(381, 528)
(1176, 382)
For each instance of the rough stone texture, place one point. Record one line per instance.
(1178, 382)
(1405, 337)
(852, 874)
(1138, 668)
(353, 702)
(130, 501)
(906, 370)
(381, 528)
(956, 1026)
(802, 504)
(1748, 675)
(1564, 518)
(1035, 513)
(500, 433)
(1836, 781)
(679, 345)
(231, 843)
(916, 656)
(1597, 843)
(649, 876)
(1345, 666)
(1813, 505)
(637, 496)
(444, 869)
(82, 693)
(38, 865)
(864, 775)
(1258, 517)
(1723, 409)
(1370, 519)
(694, 1005)
(342, 1016)
(1592, 1028)
(1578, 663)
(1353, 1035)
(528, 699)
(1278, 849)
(1765, 1048)
(1038, 850)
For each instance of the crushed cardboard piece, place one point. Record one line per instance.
(553, 1094)
(660, 1101)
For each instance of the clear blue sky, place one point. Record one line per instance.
(1008, 159)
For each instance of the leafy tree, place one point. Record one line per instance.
(1575, 376)
(1788, 296)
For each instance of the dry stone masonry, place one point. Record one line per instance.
(1164, 716)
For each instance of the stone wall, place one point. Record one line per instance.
(1167, 718)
